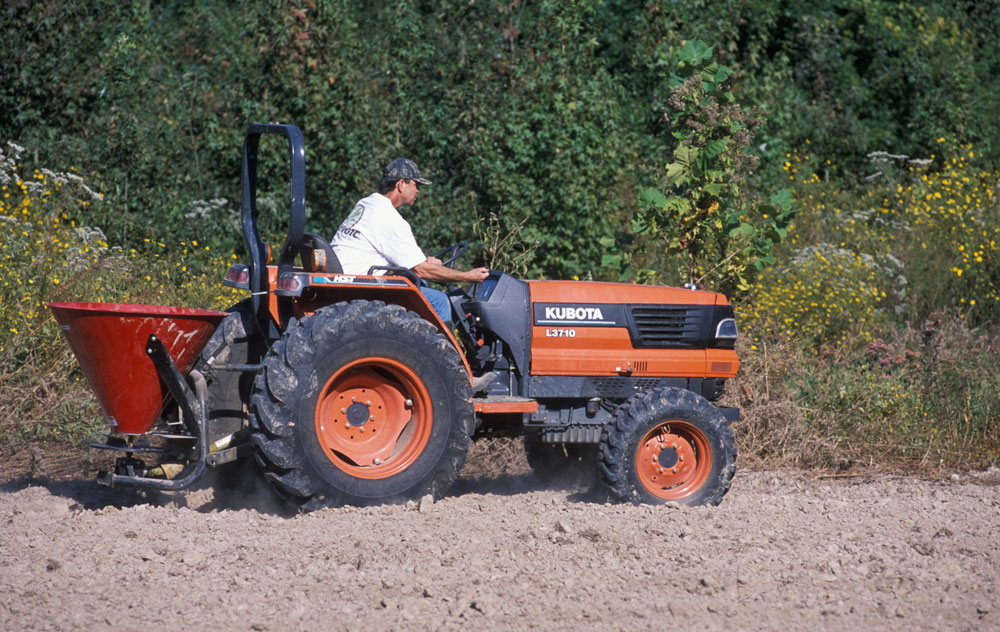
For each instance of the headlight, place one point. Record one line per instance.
(726, 329)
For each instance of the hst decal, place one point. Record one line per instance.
(346, 279)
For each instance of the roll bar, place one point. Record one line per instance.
(296, 220)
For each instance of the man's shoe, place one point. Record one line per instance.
(482, 382)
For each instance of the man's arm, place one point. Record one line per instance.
(436, 272)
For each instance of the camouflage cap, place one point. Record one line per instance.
(403, 169)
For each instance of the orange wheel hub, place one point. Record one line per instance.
(374, 418)
(673, 460)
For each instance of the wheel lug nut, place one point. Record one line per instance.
(372, 418)
(354, 400)
(343, 411)
(674, 470)
(681, 458)
(368, 403)
(409, 403)
(377, 461)
(661, 470)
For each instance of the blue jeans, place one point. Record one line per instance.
(439, 301)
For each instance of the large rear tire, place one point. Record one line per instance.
(361, 403)
(668, 445)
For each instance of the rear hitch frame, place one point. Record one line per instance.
(193, 405)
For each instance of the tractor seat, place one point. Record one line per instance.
(318, 256)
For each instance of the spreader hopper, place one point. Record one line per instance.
(110, 341)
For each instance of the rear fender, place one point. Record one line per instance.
(320, 289)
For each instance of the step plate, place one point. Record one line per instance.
(504, 404)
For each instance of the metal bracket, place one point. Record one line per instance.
(194, 408)
(229, 455)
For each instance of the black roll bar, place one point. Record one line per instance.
(296, 221)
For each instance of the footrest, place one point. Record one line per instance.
(499, 404)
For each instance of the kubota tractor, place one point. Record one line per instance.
(348, 389)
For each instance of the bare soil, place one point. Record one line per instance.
(784, 550)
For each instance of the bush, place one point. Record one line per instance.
(950, 220)
(919, 237)
(871, 341)
(46, 257)
(826, 295)
(925, 399)
(706, 213)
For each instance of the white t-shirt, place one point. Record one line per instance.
(375, 234)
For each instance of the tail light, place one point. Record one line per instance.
(238, 276)
(289, 284)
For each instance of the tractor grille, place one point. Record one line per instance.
(668, 326)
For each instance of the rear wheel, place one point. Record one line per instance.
(362, 403)
(668, 445)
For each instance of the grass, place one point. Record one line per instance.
(925, 400)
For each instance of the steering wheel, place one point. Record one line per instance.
(312, 241)
(449, 254)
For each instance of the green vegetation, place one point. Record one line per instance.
(831, 165)
(46, 257)
(707, 218)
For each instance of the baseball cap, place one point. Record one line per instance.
(403, 169)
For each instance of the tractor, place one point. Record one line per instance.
(349, 389)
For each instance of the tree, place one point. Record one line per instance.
(706, 213)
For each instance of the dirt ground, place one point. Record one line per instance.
(783, 551)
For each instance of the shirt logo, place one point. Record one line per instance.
(355, 215)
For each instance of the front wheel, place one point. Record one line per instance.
(362, 403)
(668, 445)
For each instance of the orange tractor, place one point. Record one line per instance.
(348, 389)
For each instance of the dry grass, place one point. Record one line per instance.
(921, 402)
(773, 431)
(496, 457)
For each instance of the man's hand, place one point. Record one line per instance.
(477, 275)
(432, 271)
(435, 260)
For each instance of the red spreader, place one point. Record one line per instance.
(109, 341)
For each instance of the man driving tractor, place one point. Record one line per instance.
(375, 234)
